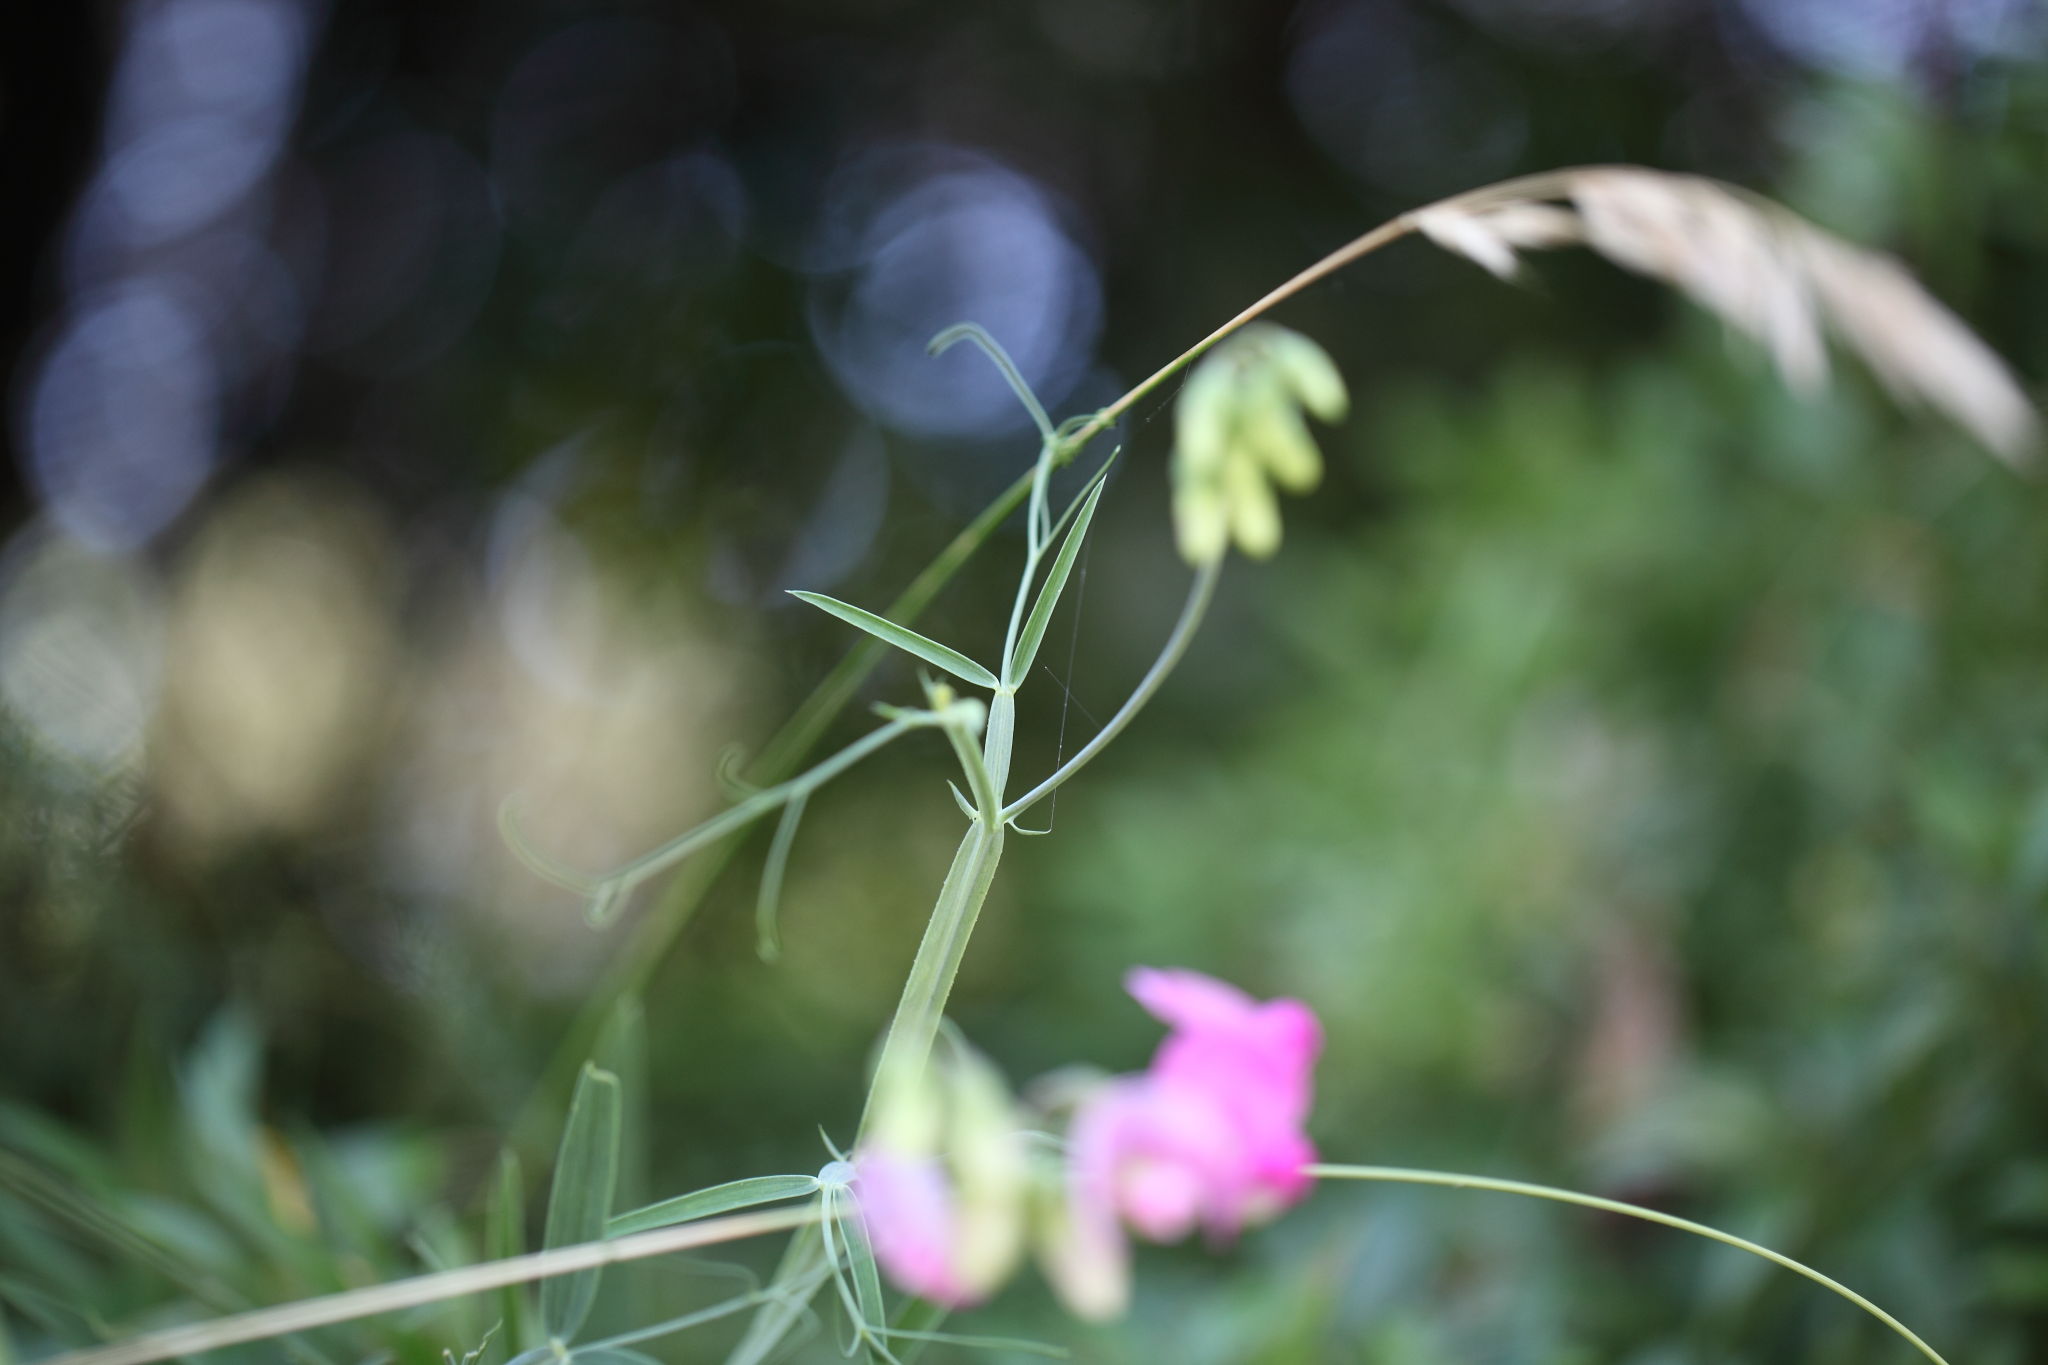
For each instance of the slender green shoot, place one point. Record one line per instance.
(976, 333)
(768, 903)
(849, 1257)
(606, 890)
(1402, 1175)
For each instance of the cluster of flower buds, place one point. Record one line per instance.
(1238, 425)
(1209, 1136)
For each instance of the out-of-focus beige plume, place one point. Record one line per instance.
(1765, 270)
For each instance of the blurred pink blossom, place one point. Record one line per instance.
(1210, 1134)
(912, 1222)
(940, 1178)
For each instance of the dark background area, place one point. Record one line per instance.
(1640, 769)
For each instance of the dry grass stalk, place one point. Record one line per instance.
(1766, 271)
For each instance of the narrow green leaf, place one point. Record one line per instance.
(769, 940)
(1018, 1345)
(611, 1355)
(219, 1082)
(505, 1237)
(622, 1050)
(867, 1280)
(586, 1172)
(1067, 513)
(1049, 591)
(734, 1194)
(931, 651)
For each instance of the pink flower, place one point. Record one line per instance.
(912, 1221)
(1209, 1135)
(940, 1181)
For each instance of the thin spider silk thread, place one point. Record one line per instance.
(1067, 684)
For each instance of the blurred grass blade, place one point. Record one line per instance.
(931, 651)
(716, 1199)
(766, 906)
(586, 1172)
(796, 1282)
(55, 1318)
(754, 1298)
(613, 1355)
(505, 1236)
(67, 1199)
(1049, 591)
(218, 1085)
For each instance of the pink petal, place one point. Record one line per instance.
(907, 1207)
(1189, 1000)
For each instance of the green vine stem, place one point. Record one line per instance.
(655, 933)
(625, 877)
(1401, 1175)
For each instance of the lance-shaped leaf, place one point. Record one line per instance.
(931, 651)
(586, 1173)
(505, 1237)
(1049, 591)
(716, 1199)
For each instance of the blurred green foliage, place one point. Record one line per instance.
(1643, 772)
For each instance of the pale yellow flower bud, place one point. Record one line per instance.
(1239, 431)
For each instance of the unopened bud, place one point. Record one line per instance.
(1238, 425)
